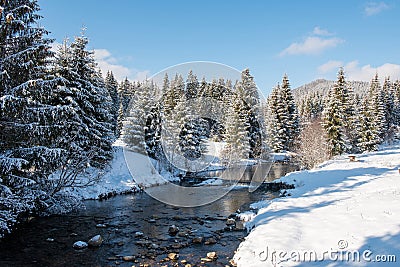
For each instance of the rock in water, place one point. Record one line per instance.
(80, 245)
(210, 241)
(212, 255)
(197, 240)
(129, 258)
(95, 241)
(139, 234)
(173, 256)
(173, 230)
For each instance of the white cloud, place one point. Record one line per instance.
(142, 75)
(107, 63)
(311, 46)
(329, 66)
(355, 72)
(365, 73)
(374, 8)
(322, 32)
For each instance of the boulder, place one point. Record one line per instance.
(173, 230)
(95, 241)
(197, 240)
(173, 256)
(212, 255)
(80, 245)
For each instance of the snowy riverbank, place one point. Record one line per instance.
(338, 211)
(119, 178)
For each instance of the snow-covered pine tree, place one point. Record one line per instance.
(153, 124)
(369, 138)
(236, 136)
(292, 126)
(31, 123)
(125, 93)
(166, 83)
(276, 121)
(247, 91)
(93, 135)
(203, 88)
(333, 124)
(134, 130)
(192, 85)
(171, 96)
(389, 101)
(352, 121)
(341, 118)
(378, 106)
(396, 93)
(112, 87)
(344, 93)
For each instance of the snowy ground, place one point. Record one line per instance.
(340, 214)
(126, 171)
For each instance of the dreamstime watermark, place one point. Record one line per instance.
(339, 254)
(182, 113)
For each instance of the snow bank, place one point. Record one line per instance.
(337, 212)
(116, 179)
(128, 170)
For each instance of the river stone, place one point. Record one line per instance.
(212, 255)
(95, 241)
(129, 258)
(101, 225)
(210, 241)
(80, 245)
(138, 234)
(173, 230)
(173, 256)
(197, 240)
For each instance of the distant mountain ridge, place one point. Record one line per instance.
(322, 87)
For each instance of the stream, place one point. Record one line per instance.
(136, 232)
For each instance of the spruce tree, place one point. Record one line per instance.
(247, 91)
(192, 85)
(283, 125)
(292, 126)
(125, 92)
(93, 134)
(369, 138)
(333, 125)
(135, 126)
(111, 85)
(276, 121)
(237, 141)
(31, 120)
(378, 106)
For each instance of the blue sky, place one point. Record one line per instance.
(305, 39)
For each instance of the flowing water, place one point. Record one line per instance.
(137, 226)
